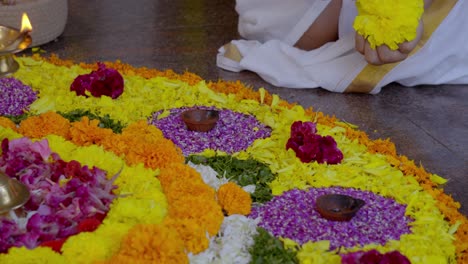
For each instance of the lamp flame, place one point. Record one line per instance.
(25, 24)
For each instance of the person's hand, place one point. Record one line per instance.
(383, 54)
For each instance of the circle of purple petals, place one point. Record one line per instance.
(15, 97)
(232, 133)
(292, 215)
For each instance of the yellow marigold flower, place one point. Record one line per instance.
(139, 182)
(6, 122)
(115, 232)
(207, 213)
(45, 124)
(193, 235)
(40, 255)
(152, 243)
(388, 22)
(8, 133)
(134, 211)
(318, 252)
(87, 132)
(234, 200)
(87, 246)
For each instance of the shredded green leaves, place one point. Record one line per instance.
(17, 119)
(242, 172)
(268, 249)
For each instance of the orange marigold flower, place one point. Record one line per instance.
(461, 242)
(382, 146)
(193, 235)
(154, 154)
(116, 143)
(359, 135)
(143, 129)
(180, 172)
(126, 69)
(87, 132)
(152, 243)
(45, 124)
(143, 143)
(6, 122)
(207, 213)
(239, 89)
(180, 188)
(234, 200)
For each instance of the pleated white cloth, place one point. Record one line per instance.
(272, 27)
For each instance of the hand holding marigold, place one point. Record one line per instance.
(388, 32)
(383, 54)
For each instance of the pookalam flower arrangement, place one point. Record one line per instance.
(116, 177)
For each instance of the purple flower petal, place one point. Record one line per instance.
(293, 215)
(233, 132)
(15, 97)
(55, 209)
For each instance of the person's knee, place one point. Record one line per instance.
(324, 29)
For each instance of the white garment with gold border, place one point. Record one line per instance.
(271, 27)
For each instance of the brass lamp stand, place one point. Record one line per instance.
(11, 41)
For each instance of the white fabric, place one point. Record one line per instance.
(264, 20)
(273, 26)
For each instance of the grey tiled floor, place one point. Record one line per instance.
(429, 124)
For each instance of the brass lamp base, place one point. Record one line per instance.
(13, 194)
(7, 65)
(11, 41)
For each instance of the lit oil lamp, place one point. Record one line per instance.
(13, 41)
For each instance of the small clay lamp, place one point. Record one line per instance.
(201, 120)
(13, 194)
(338, 207)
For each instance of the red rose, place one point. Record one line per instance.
(310, 146)
(103, 81)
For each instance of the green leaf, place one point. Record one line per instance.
(17, 119)
(268, 249)
(242, 172)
